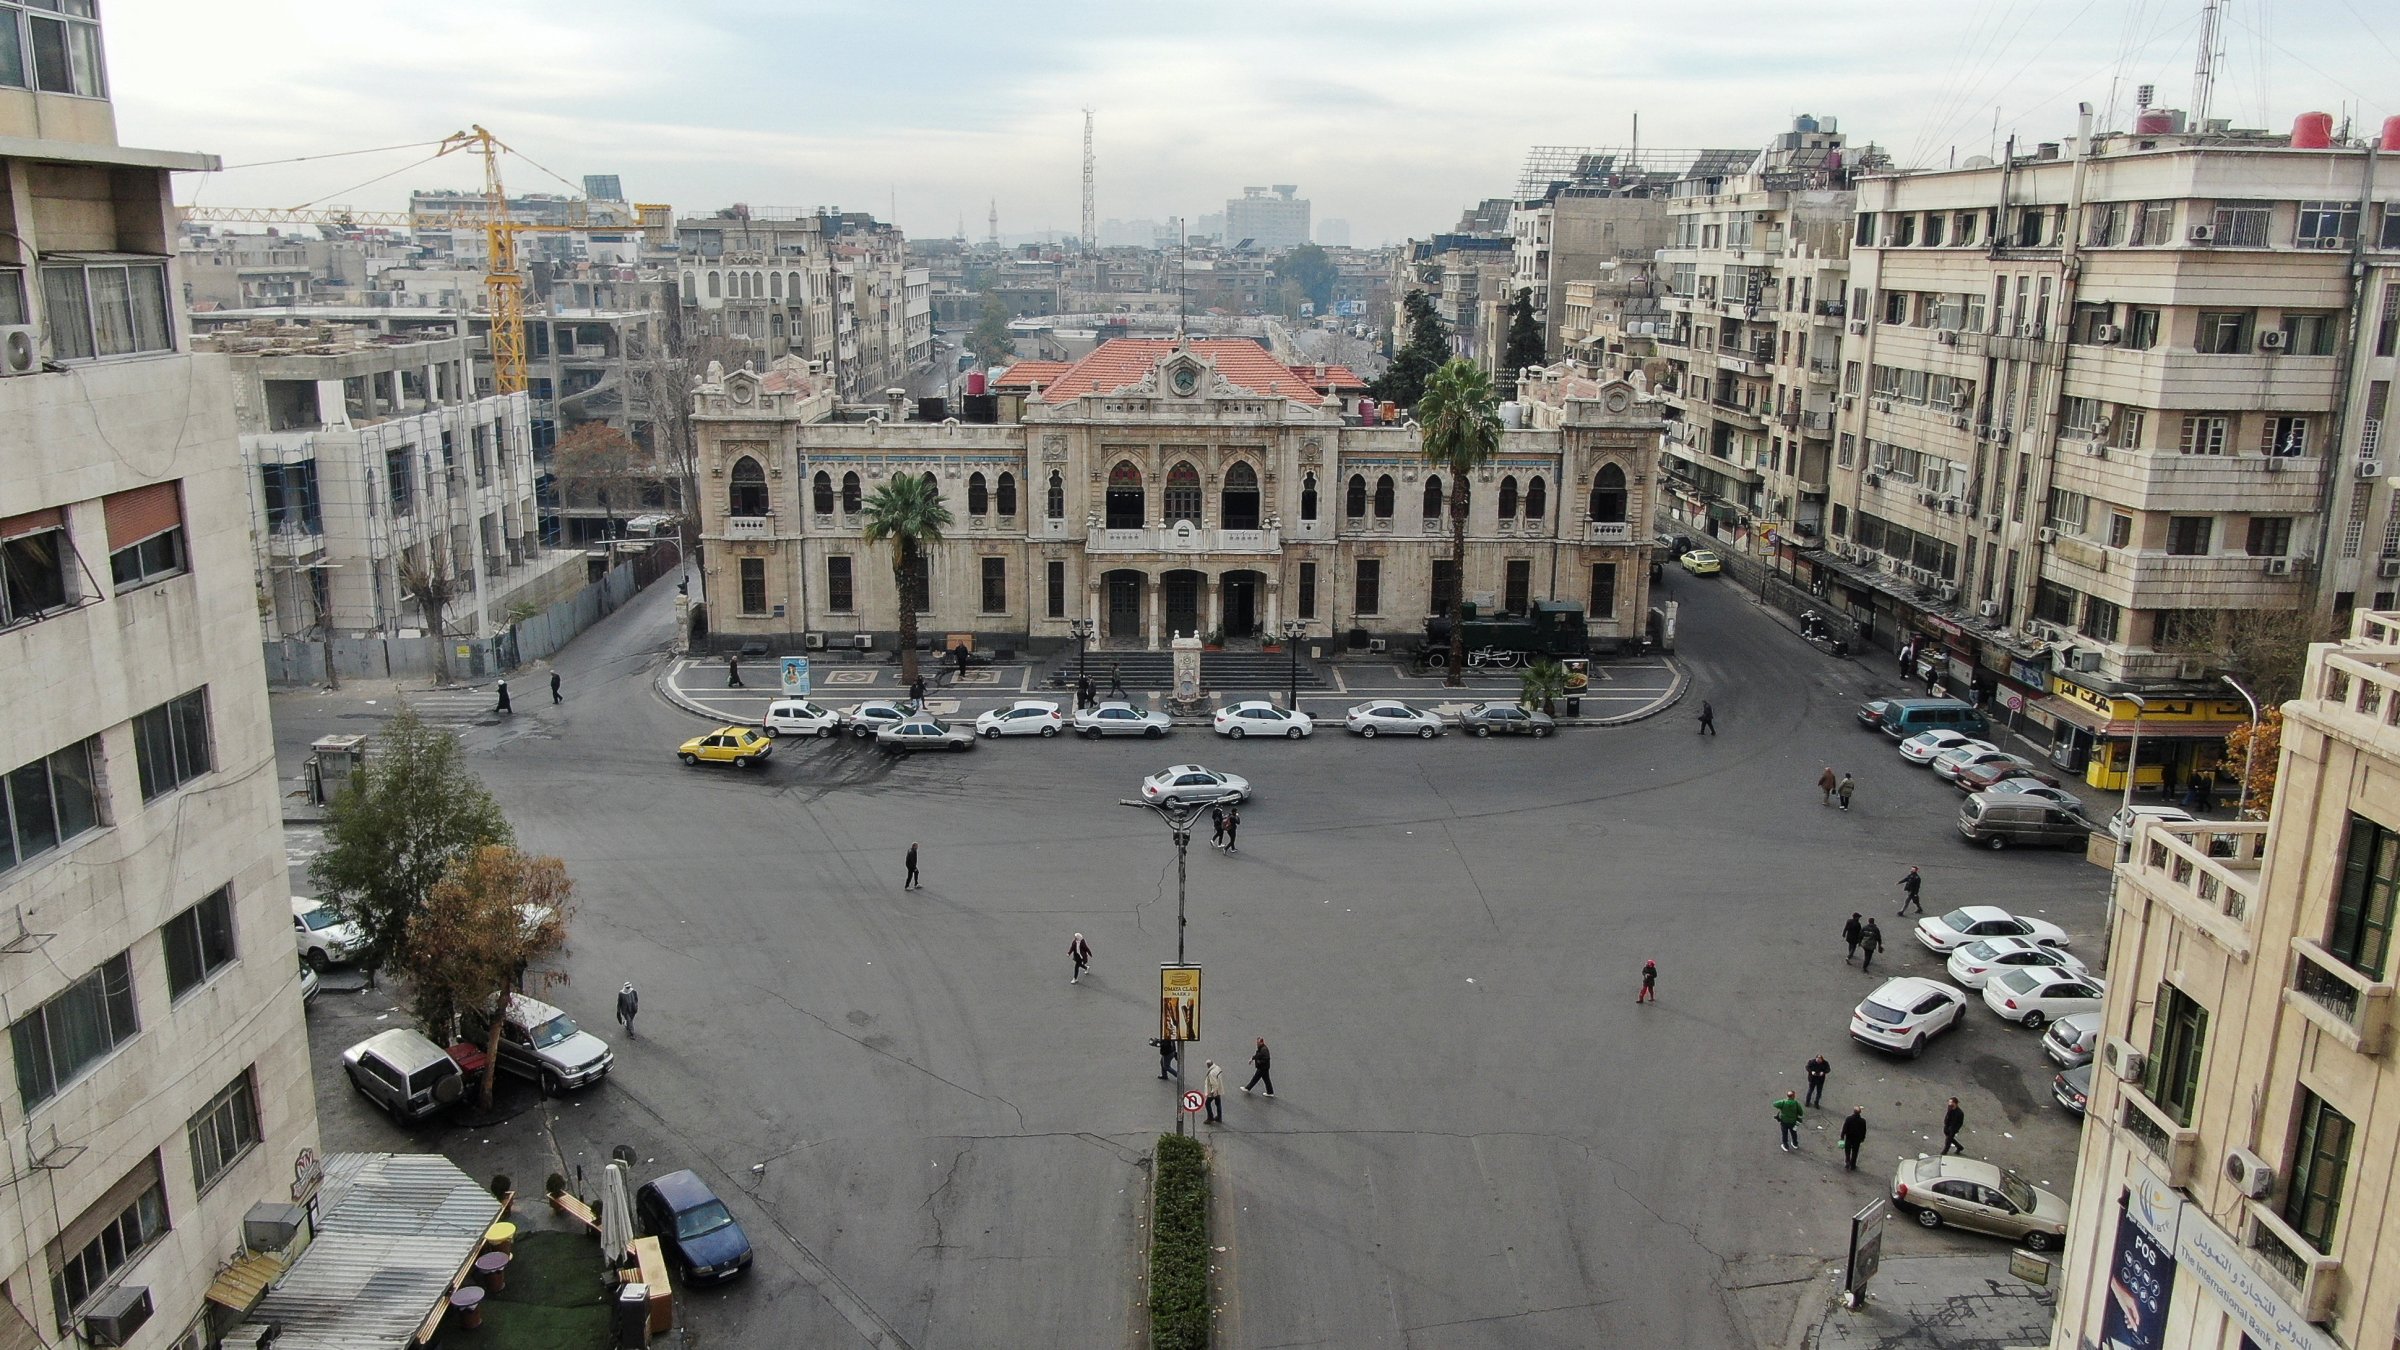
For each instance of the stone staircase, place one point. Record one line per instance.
(1250, 674)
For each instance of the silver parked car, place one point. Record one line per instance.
(1025, 717)
(1257, 717)
(924, 732)
(865, 719)
(1386, 717)
(404, 1073)
(539, 1042)
(1181, 783)
(1505, 719)
(1119, 718)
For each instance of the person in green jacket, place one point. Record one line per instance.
(1787, 1118)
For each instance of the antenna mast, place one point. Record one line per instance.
(2204, 70)
(1090, 236)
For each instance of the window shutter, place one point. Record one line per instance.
(48, 518)
(136, 515)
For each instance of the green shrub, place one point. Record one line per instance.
(1179, 1312)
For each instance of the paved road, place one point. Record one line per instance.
(1480, 1139)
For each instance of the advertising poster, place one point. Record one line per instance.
(2140, 1279)
(1179, 1003)
(795, 676)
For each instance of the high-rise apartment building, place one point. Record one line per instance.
(1272, 219)
(834, 288)
(1575, 234)
(156, 1039)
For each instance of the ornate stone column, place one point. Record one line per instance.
(1150, 606)
(1216, 603)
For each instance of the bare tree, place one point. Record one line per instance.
(431, 587)
(494, 913)
(668, 372)
(2266, 649)
(598, 465)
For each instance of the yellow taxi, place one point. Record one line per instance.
(1702, 563)
(740, 747)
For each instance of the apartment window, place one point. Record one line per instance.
(1308, 498)
(995, 585)
(1934, 221)
(1904, 230)
(105, 1239)
(979, 496)
(748, 496)
(2326, 225)
(45, 803)
(2390, 237)
(1054, 497)
(170, 744)
(841, 589)
(2203, 436)
(1054, 579)
(821, 493)
(2153, 224)
(33, 565)
(2079, 416)
(2101, 619)
(199, 942)
(1308, 590)
(1964, 234)
(1354, 501)
(851, 496)
(1384, 496)
(1895, 307)
(753, 573)
(74, 1030)
(1604, 591)
(105, 305)
(2130, 422)
(289, 492)
(1865, 237)
(1847, 450)
(222, 1132)
(2362, 913)
(1004, 494)
(2312, 1200)
(145, 534)
(400, 478)
(62, 40)
(2308, 334)
(1444, 592)
(2240, 227)
(2270, 536)
(1508, 497)
(2068, 511)
(2189, 536)
(2120, 530)
(2141, 330)
(1369, 599)
(2107, 224)
(2178, 1035)
(1517, 598)
(2053, 603)
(1537, 498)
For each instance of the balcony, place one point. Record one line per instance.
(2342, 1001)
(2205, 874)
(749, 527)
(2174, 580)
(1191, 539)
(1608, 531)
(2176, 1147)
(1820, 372)
(2311, 1280)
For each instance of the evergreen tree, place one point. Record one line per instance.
(1424, 352)
(1525, 345)
(990, 340)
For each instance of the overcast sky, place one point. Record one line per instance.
(1390, 114)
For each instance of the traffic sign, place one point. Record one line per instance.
(1193, 1101)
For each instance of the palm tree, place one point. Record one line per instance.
(1544, 681)
(1458, 419)
(907, 510)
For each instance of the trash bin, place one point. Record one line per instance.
(629, 1316)
(1574, 706)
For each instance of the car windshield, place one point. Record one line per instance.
(1958, 920)
(2018, 1193)
(1877, 1012)
(550, 1033)
(320, 918)
(702, 1220)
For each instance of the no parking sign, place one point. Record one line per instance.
(1193, 1101)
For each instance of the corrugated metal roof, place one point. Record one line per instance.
(396, 1230)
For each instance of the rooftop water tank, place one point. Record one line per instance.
(2312, 131)
(1512, 414)
(2391, 133)
(2154, 122)
(974, 382)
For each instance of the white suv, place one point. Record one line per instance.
(326, 939)
(1906, 1012)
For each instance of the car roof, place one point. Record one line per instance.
(302, 904)
(681, 1190)
(407, 1049)
(532, 1011)
(1111, 703)
(2078, 1023)
(1978, 913)
(1180, 768)
(1911, 985)
(1962, 1168)
(1033, 703)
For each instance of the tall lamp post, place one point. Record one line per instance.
(2133, 749)
(1179, 817)
(2241, 810)
(1293, 631)
(1083, 630)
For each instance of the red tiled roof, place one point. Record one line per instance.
(1122, 361)
(1026, 374)
(1335, 378)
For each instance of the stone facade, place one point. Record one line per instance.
(1194, 486)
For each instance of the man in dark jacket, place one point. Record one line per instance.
(1851, 933)
(1953, 1120)
(1818, 1070)
(1909, 886)
(1854, 1134)
(1166, 1056)
(1258, 1066)
(629, 1002)
(1869, 943)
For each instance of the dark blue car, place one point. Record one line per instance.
(693, 1225)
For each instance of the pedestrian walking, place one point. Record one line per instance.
(733, 672)
(1869, 943)
(1953, 1120)
(1851, 933)
(913, 883)
(1818, 1070)
(2207, 783)
(1116, 680)
(1649, 992)
(1080, 952)
(1909, 886)
(556, 697)
(1908, 653)
(1233, 830)
(1843, 790)
(629, 1002)
(503, 708)
(1085, 696)
(1214, 1084)
(1216, 818)
(1258, 1069)
(1787, 1121)
(916, 693)
(1708, 718)
(1854, 1135)
(959, 655)
(1826, 782)
(1167, 1068)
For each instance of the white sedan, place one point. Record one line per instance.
(1385, 716)
(1976, 963)
(1186, 783)
(1904, 1013)
(925, 732)
(1257, 717)
(2031, 997)
(1950, 761)
(1117, 718)
(1945, 933)
(1922, 747)
(1025, 717)
(799, 717)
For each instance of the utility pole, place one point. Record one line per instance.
(2204, 69)
(1179, 817)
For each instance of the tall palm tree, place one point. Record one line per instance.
(908, 511)
(1458, 419)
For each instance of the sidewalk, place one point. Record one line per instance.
(1967, 1301)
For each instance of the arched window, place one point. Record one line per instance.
(1508, 497)
(1383, 497)
(1054, 502)
(933, 485)
(749, 496)
(850, 494)
(691, 287)
(1608, 494)
(979, 496)
(775, 284)
(1125, 496)
(795, 293)
(1183, 493)
(716, 286)
(1537, 498)
(1308, 497)
(1006, 492)
(822, 491)
(1433, 496)
(1237, 505)
(1354, 501)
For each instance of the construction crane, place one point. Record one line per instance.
(503, 283)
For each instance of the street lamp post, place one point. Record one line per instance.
(1293, 631)
(2241, 810)
(2133, 749)
(1082, 629)
(1179, 818)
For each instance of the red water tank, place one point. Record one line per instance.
(2154, 122)
(2312, 131)
(2391, 133)
(974, 382)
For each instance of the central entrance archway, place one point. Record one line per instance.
(1124, 590)
(1180, 591)
(1240, 594)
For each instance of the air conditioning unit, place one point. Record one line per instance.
(270, 1227)
(1849, 401)
(1989, 609)
(2279, 567)
(1883, 405)
(2095, 449)
(1377, 644)
(2202, 234)
(2274, 340)
(2045, 534)
(2191, 670)
(2087, 659)
(2370, 468)
(1946, 337)
(1949, 590)
(1993, 521)
(2249, 1173)
(20, 349)
(2106, 333)
(1928, 501)
(2389, 567)
(1874, 480)
(117, 1316)
(815, 642)
(864, 641)
(2124, 1059)
(1858, 328)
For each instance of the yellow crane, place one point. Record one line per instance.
(503, 283)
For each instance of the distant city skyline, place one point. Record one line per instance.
(1389, 116)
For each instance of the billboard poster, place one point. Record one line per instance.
(1179, 1003)
(2140, 1279)
(795, 676)
(1866, 1250)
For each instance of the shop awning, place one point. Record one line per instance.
(2099, 724)
(239, 1285)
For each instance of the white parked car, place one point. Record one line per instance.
(925, 732)
(326, 939)
(2129, 818)
(799, 717)
(1984, 958)
(865, 719)
(1116, 718)
(1922, 747)
(1950, 761)
(2036, 788)
(1257, 717)
(1943, 933)
(1904, 1013)
(1182, 783)
(1384, 717)
(1025, 717)
(2032, 996)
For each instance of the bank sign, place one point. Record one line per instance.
(2213, 1258)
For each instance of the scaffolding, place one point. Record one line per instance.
(1550, 168)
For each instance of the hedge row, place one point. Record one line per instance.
(1179, 1313)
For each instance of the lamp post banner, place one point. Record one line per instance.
(1179, 1003)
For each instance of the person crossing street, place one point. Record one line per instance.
(1852, 933)
(1080, 952)
(1869, 943)
(1909, 886)
(629, 1002)
(1854, 1134)
(1259, 1061)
